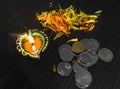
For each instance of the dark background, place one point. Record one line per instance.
(19, 72)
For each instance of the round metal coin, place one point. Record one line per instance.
(105, 54)
(65, 52)
(86, 43)
(93, 45)
(64, 69)
(78, 47)
(83, 78)
(81, 87)
(77, 67)
(85, 59)
(94, 58)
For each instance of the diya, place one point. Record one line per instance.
(32, 43)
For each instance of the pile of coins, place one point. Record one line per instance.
(78, 57)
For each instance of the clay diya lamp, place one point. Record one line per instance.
(32, 43)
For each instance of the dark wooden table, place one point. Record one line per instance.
(19, 72)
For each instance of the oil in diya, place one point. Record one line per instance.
(32, 43)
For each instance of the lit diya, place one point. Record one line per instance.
(32, 43)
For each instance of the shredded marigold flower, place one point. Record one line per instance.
(61, 21)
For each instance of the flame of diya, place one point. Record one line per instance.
(32, 43)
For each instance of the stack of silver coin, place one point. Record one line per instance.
(78, 57)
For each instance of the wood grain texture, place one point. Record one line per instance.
(18, 72)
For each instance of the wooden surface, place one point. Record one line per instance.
(19, 72)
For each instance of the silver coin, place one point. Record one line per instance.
(77, 67)
(64, 69)
(81, 87)
(105, 54)
(83, 78)
(85, 59)
(86, 43)
(93, 45)
(94, 58)
(65, 52)
(63, 46)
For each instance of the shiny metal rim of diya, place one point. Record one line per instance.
(32, 43)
